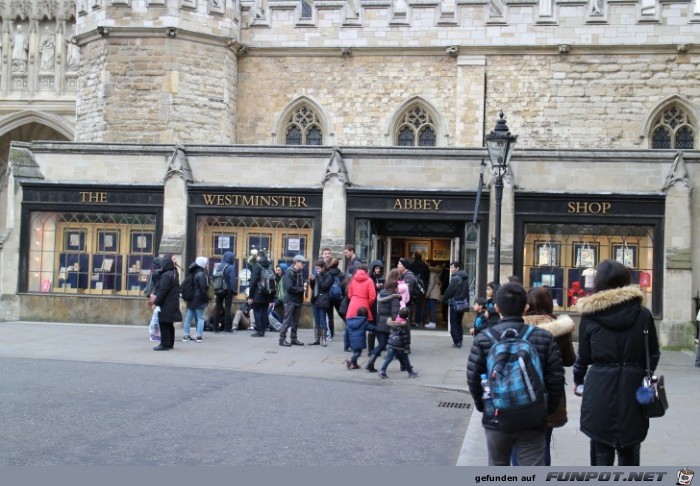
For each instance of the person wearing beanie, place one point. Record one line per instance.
(198, 303)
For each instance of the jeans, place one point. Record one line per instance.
(528, 444)
(191, 314)
(430, 311)
(292, 312)
(382, 339)
(456, 330)
(400, 355)
(321, 317)
(604, 455)
(356, 353)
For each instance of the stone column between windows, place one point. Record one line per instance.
(333, 216)
(175, 198)
(678, 324)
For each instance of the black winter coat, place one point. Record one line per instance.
(458, 287)
(320, 288)
(400, 336)
(168, 293)
(388, 308)
(543, 341)
(255, 293)
(611, 364)
(201, 287)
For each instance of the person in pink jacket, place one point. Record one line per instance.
(361, 293)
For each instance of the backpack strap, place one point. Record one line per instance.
(526, 331)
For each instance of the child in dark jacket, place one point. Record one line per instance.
(399, 342)
(357, 336)
(480, 320)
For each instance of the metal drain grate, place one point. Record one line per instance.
(454, 405)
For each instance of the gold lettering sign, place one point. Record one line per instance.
(583, 207)
(93, 197)
(415, 204)
(253, 201)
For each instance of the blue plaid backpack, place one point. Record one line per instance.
(516, 379)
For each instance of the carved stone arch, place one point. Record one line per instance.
(28, 126)
(323, 118)
(692, 111)
(21, 118)
(395, 120)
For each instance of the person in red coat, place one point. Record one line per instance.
(361, 293)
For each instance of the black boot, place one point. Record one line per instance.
(370, 365)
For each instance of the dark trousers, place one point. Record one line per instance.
(382, 339)
(167, 334)
(370, 341)
(335, 304)
(262, 320)
(356, 353)
(456, 330)
(401, 356)
(604, 455)
(292, 312)
(223, 303)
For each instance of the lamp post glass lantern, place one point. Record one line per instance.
(499, 143)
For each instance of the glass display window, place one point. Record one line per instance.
(280, 237)
(90, 253)
(563, 257)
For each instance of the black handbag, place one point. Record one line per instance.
(659, 403)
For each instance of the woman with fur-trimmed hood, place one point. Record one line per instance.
(611, 364)
(540, 313)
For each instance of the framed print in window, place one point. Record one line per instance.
(142, 242)
(585, 254)
(108, 241)
(223, 243)
(422, 246)
(547, 254)
(625, 254)
(74, 240)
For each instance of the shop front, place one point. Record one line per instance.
(560, 239)
(282, 222)
(439, 225)
(86, 241)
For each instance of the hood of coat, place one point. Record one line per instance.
(228, 257)
(614, 308)
(356, 322)
(264, 262)
(194, 268)
(559, 326)
(360, 276)
(460, 274)
(376, 263)
(166, 263)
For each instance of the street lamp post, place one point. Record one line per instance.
(499, 143)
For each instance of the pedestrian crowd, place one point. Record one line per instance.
(515, 368)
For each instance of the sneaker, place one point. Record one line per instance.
(383, 375)
(430, 325)
(187, 338)
(412, 374)
(199, 339)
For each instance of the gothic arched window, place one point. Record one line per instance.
(672, 129)
(303, 128)
(416, 129)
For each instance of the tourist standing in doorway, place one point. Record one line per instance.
(456, 295)
(261, 295)
(433, 296)
(198, 303)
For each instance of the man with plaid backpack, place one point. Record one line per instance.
(516, 377)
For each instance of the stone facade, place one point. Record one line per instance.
(185, 94)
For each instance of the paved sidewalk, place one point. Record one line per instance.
(673, 440)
